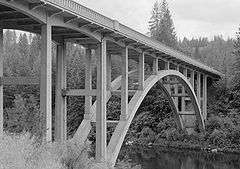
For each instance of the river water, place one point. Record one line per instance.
(162, 158)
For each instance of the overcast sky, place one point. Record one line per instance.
(192, 18)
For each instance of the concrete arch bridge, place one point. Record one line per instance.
(183, 79)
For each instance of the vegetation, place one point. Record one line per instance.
(161, 25)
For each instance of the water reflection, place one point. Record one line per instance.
(159, 158)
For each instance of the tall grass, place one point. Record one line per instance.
(22, 152)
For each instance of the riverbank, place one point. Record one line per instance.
(186, 146)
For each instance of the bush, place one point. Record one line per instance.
(173, 134)
(219, 123)
(234, 136)
(166, 124)
(147, 135)
(24, 116)
(125, 164)
(213, 123)
(218, 138)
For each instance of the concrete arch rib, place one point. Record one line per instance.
(173, 106)
(120, 132)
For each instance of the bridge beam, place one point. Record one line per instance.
(124, 85)
(205, 97)
(155, 66)
(46, 80)
(192, 78)
(60, 128)
(176, 91)
(109, 71)
(167, 67)
(1, 82)
(101, 126)
(141, 68)
(88, 83)
(199, 88)
(184, 91)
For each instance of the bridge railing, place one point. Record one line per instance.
(95, 17)
(85, 12)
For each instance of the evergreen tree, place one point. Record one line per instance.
(155, 19)
(161, 25)
(197, 44)
(10, 52)
(35, 55)
(237, 51)
(23, 60)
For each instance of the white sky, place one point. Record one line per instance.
(192, 18)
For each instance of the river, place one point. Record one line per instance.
(162, 158)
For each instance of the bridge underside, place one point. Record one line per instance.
(183, 80)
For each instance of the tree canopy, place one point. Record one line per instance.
(161, 24)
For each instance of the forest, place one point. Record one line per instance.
(153, 122)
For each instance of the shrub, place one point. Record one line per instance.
(24, 116)
(218, 138)
(125, 164)
(165, 124)
(173, 134)
(214, 122)
(234, 136)
(147, 134)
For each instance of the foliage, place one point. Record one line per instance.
(216, 53)
(21, 152)
(237, 50)
(126, 164)
(24, 116)
(218, 137)
(161, 25)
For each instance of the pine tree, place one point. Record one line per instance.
(237, 51)
(34, 55)
(155, 19)
(10, 52)
(161, 25)
(23, 60)
(197, 44)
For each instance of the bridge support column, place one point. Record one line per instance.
(184, 91)
(101, 127)
(192, 78)
(60, 128)
(205, 97)
(155, 66)
(176, 91)
(199, 88)
(88, 83)
(109, 71)
(167, 67)
(46, 80)
(1, 82)
(141, 68)
(124, 85)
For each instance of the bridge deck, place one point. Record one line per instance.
(117, 33)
